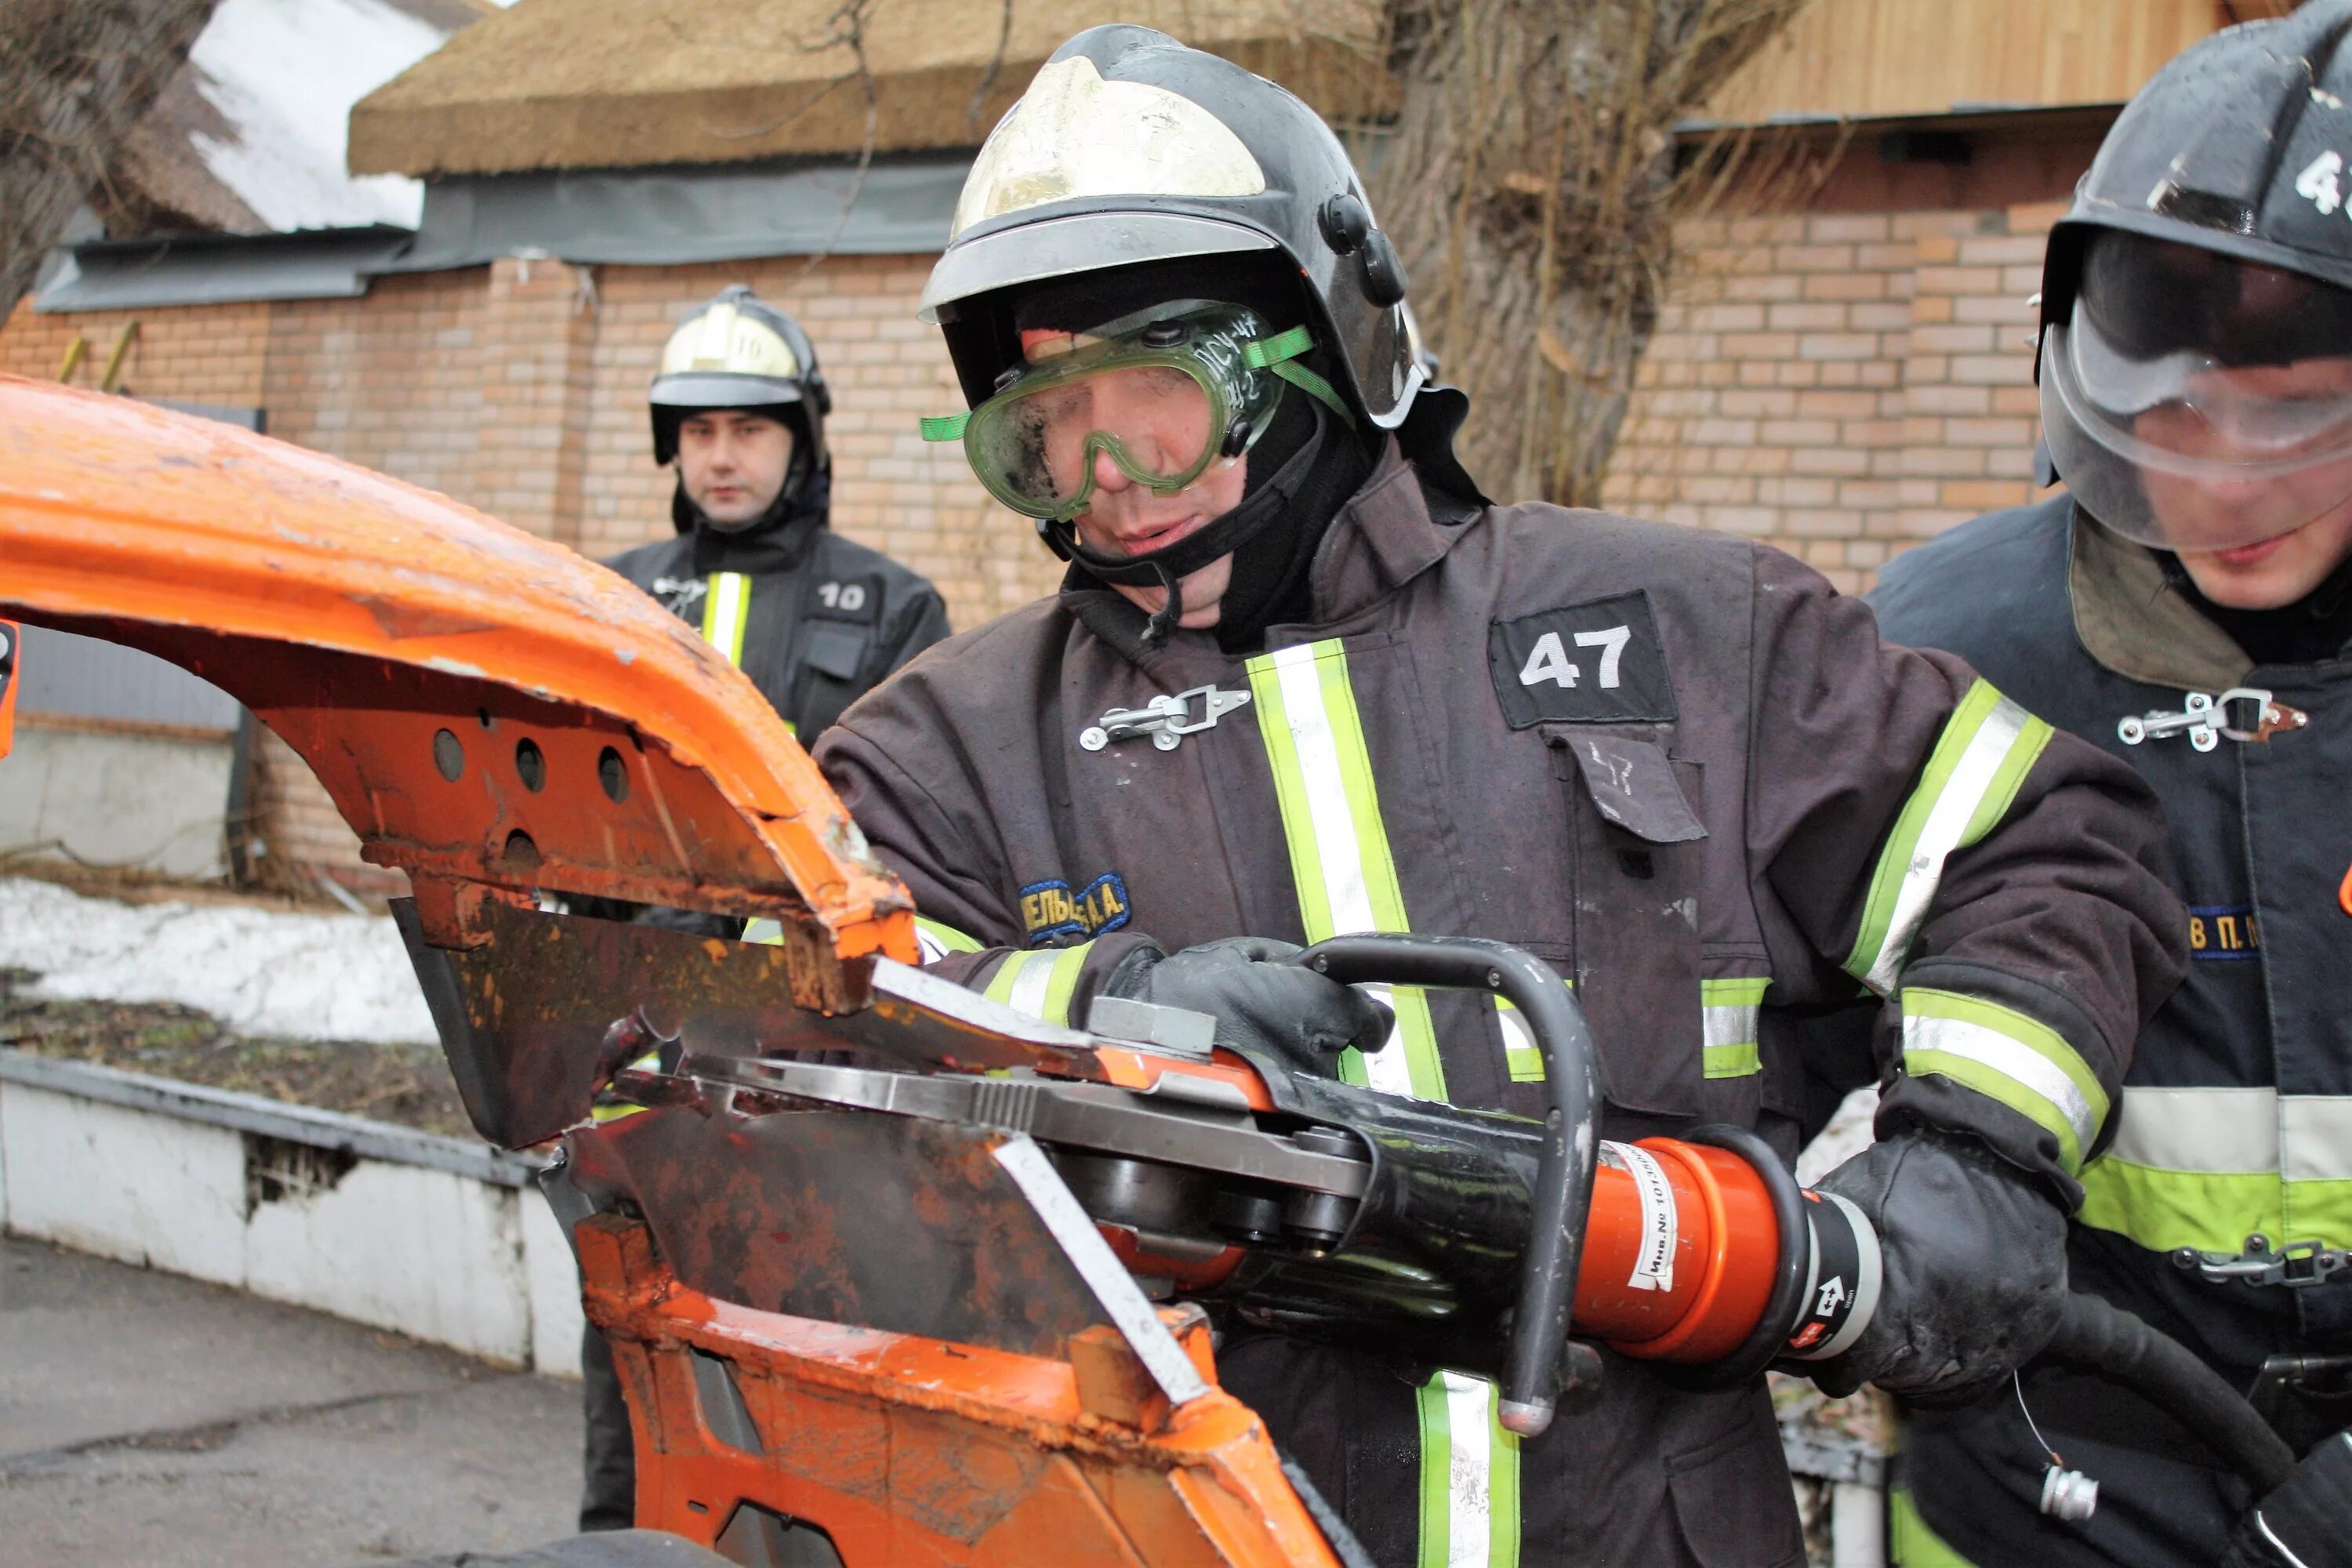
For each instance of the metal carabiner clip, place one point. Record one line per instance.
(1167, 720)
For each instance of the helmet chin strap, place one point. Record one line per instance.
(1221, 538)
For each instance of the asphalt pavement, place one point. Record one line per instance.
(148, 1421)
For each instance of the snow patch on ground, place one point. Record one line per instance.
(259, 972)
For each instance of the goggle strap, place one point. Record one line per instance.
(1268, 353)
(1316, 387)
(945, 427)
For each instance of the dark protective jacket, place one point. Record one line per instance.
(813, 618)
(1676, 766)
(2238, 1115)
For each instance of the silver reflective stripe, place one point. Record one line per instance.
(1339, 836)
(726, 606)
(1031, 985)
(1469, 1492)
(1731, 1025)
(2221, 1131)
(1956, 806)
(2316, 1137)
(2010, 1058)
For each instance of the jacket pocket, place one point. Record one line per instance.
(1733, 1504)
(1639, 845)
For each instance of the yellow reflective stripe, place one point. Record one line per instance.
(1039, 982)
(1340, 856)
(2009, 1055)
(936, 940)
(1729, 1010)
(1521, 1059)
(1469, 1475)
(2164, 1210)
(1988, 746)
(1910, 1544)
(726, 606)
(2209, 1167)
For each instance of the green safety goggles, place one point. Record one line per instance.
(1162, 394)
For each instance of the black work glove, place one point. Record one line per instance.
(1974, 1253)
(2307, 1521)
(1260, 1002)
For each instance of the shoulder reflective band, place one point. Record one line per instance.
(726, 606)
(1340, 858)
(1469, 1477)
(1729, 1010)
(2016, 1059)
(934, 940)
(2209, 1167)
(1988, 746)
(1039, 981)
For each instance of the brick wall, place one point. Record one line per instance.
(1843, 383)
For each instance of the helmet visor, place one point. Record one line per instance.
(2198, 402)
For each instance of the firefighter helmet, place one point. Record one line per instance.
(1129, 147)
(2197, 298)
(738, 352)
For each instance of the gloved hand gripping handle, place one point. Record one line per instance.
(1563, 1191)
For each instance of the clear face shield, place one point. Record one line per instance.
(2197, 403)
(1161, 394)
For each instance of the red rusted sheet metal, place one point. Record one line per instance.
(484, 706)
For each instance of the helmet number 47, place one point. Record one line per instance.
(2318, 182)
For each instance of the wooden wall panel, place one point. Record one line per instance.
(1864, 58)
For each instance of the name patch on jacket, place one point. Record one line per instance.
(1595, 663)
(1050, 910)
(2223, 932)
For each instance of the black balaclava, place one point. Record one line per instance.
(1302, 471)
(2313, 629)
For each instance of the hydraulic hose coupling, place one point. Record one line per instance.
(1703, 1251)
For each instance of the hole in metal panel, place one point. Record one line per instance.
(757, 1537)
(614, 774)
(448, 756)
(530, 765)
(521, 853)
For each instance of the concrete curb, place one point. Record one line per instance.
(439, 1238)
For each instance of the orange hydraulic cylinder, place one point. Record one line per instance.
(1680, 1252)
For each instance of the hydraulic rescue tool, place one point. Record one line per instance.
(893, 1274)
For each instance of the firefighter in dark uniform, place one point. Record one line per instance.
(739, 406)
(1303, 678)
(2187, 605)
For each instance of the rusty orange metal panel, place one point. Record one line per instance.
(482, 704)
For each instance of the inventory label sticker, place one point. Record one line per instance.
(1654, 1258)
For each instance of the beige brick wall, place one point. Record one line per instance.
(1840, 384)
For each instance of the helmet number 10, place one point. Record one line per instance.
(2318, 184)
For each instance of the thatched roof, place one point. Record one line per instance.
(573, 84)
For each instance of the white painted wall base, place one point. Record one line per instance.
(159, 802)
(438, 1238)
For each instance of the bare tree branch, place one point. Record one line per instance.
(75, 77)
(1533, 180)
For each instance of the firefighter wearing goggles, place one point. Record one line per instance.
(2186, 604)
(1304, 678)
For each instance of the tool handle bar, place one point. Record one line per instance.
(2098, 1337)
(1563, 1192)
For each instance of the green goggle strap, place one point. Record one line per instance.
(1278, 353)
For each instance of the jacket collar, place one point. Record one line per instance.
(1382, 538)
(2135, 623)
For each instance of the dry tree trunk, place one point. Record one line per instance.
(1532, 181)
(75, 76)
